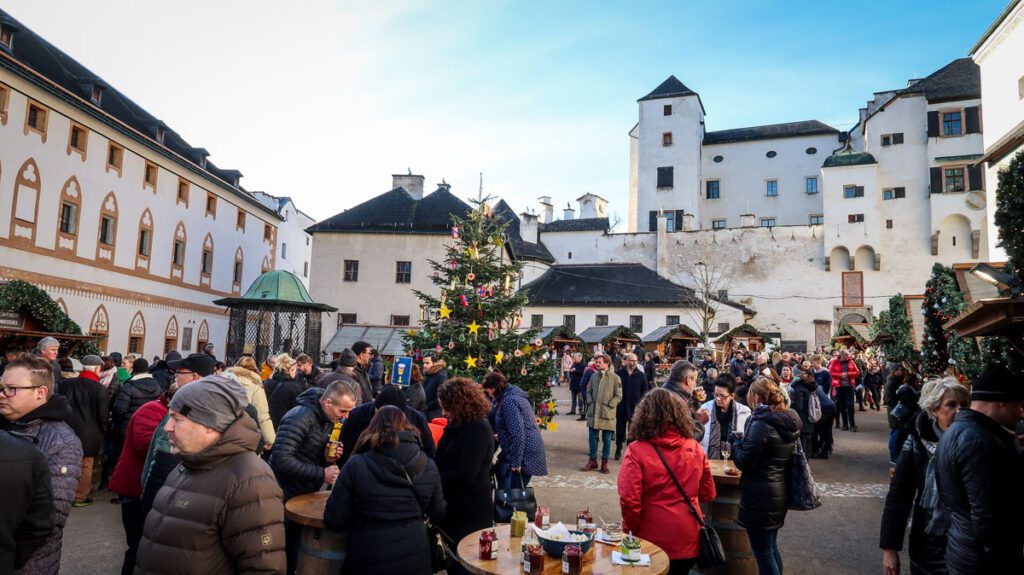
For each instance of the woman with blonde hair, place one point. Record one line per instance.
(282, 388)
(246, 372)
(763, 454)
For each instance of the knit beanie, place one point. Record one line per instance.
(997, 383)
(214, 401)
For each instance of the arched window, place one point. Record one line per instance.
(237, 271)
(204, 336)
(107, 235)
(27, 188)
(69, 215)
(206, 262)
(171, 334)
(265, 267)
(99, 327)
(178, 244)
(144, 243)
(137, 334)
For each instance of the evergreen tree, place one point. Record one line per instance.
(1009, 216)
(896, 324)
(475, 323)
(943, 301)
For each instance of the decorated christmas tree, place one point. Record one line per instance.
(1009, 216)
(895, 323)
(476, 322)
(943, 301)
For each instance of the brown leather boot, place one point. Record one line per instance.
(590, 466)
(604, 466)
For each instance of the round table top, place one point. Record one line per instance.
(307, 509)
(719, 474)
(597, 561)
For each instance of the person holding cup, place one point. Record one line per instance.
(727, 416)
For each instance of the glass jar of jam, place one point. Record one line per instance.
(582, 518)
(529, 540)
(536, 556)
(543, 518)
(517, 526)
(572, 560)
(488, 545)
(590, 528)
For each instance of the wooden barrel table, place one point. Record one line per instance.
(321, 551)
(722, 514)
(597, 561)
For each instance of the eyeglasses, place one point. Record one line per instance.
(723, 395)
(13, 390)
(183, 372)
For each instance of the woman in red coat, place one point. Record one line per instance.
(652, 506)
(844, 373)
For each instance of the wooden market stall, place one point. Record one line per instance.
(559, 337)
(609, 338)
(28, 314)
(853, 335)
(671, 342)
(745, 337)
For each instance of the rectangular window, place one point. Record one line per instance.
(600, 320)
(712, 189)
(670, 221)
(96, 94)
(346, 318)
(811, 185)
(36, 119)
(144, 242)
(954, 180)
(894, 193)
(771, 188)
(305, 269)
(211, 205)
(236, 274)
(723, 327)
(666, 139)
(149, 175)
(666, 177)
(77, 138)
(723, 294)
(399, 320)
(107, 230)
(569, 321)
(115, 157)
(667, 110)
(267, 232)
(68, 218)
(206, 266)
(636, 324)
(284, 251)
(134, 344)
(671, 320)
(886, 140)
(5, 95)
(816, 219)
(536, 320)
(183, 191)
(351, 271)
(718, 224)
(952, 123)
(403, 272)
(240, 220)
(767, 222)
(853, 192)
(178, 253)
(888, 224)
(855, 218)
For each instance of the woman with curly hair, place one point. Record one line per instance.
(464, 459)
(662, 447)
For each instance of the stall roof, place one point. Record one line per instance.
(597, 334)
(387, 339)
(662, 332)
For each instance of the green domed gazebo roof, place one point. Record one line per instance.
(276, 287)
(848, 157)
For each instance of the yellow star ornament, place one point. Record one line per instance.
(446, 311)
(470, 362)
(498, 357)
(473, 327)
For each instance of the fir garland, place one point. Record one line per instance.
(1009, 215)
(943, 301)
(21, 296)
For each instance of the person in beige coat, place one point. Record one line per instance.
(246, 373)
(604, 392)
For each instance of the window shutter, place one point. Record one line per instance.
(933, 124)
(973, 120)
(900, 192)
(679, 220)
(936, 177)
(654, 221)
(860, 192)
(897, 138)
(975, 181)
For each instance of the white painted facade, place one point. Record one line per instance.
(294, 244)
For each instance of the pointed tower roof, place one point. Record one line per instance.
(671, 88)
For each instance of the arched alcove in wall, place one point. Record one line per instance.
(839, 259)
(954, 238)
(865, 258)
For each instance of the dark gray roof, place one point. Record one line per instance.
(577, 225)
(31, 51)
(670, 88)
(769, 132)
(596, 334)
(397, 211)
(958, 80)
(519, 248)
(662, 332)
(606, 285)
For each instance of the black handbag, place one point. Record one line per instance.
(508, 501)
(712, 554)
(439, 553)
(801, 490)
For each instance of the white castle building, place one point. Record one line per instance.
(130, 229)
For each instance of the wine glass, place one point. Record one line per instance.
(725, 455)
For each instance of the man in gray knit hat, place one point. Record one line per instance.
(221, 484)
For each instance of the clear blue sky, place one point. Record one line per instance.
(323, 100)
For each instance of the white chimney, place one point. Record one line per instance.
(528, 227)
(687, 222)
(748, 220)
(411, 183)
(545, 209)
(592, 206)
(568, 213)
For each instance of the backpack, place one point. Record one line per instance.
(813, 408)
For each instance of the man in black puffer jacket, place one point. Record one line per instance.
(979, 473)
(361, 416)
(299, 457)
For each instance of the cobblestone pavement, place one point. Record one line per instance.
(840, 538)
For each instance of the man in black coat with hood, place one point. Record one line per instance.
(634, 386)
(979, 475)
(163, 374)
(360, 418)
(26, 520)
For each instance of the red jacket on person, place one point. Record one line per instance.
(835, 368)
(652, 507)
(126, 479)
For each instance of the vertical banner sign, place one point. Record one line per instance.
(401, 371)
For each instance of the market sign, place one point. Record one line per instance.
(12, 320)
